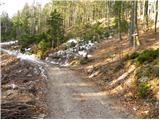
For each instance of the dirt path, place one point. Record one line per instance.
(70, 96)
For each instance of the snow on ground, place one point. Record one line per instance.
(30, 58)
(72, 41)
(43, 71)
(60, 57)
(9, 43)
(80, 50)
(21, 56)
(83, 53)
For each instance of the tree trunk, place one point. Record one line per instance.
(119, 21)
(146, 15)
(119, 26)
(136, 33)
(156, 16)
(133, 27)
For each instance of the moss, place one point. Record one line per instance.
(143, 89)
(146, 56)
(134, 55)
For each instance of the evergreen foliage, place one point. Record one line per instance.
(146, 56)
(58, 21)
(56, 28)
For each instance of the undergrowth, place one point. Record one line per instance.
(143, 89)
(146, 56)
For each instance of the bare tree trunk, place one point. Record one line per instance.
(119, 26)
(136, 33)
(146, 15)
(119, 23)
(137, 42)
(133, 27)
(156, 16)
(108, 16)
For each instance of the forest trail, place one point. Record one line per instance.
(70, 96)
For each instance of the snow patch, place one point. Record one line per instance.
(83, 53)
(72, 41)
(9, 43)
(21, 56)
(42, 71)
(80, 50)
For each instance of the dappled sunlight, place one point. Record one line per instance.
(79, 99)
(120, 89)
(90, 96)
(82, 84)
(154, 46)
(121, 78)
(95, 94)
(116, 90)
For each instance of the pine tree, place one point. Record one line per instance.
(56, 28)
(6, 27)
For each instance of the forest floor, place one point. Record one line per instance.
(23, 89)
(107, 67)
